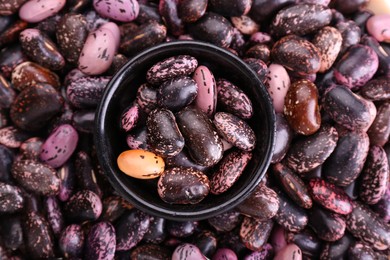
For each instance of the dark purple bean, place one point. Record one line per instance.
(259, 51)
(254, 234)
(181, 229)
(83, 205)
(361, 17)
(263, 9)
(7, 93)
(361, 251)
(39, 47)
(39, 241)
(352, 190)
(71, 34)
(262, 204)
(283, 138)
(36, 177)
(84, 120)
(130, 229)
(347, 160)
(382, 51)
(327, 225)
(86, 92)
(212, 28)
(379, 131)
(206, 241)
(12, 137)
(11, 34)
(149, 13)
(10, 57)
(192, 10)
(71, 241)
(293, 185)
(382, 208)
(11, 231)
(114, 207)
(181, 159)
(86, 174)
(367, 226)
(150, 252)
(375, 176)
(147, 35)
(266, 252)
(259, 66)
(6, 160)
(75, 6)
(338, 249)
(157, 231)
(308, 152)
(35, 106)
(349, 6)
(289, 215)
(233, 241)
(101, 243)
(67, 181)
(30, 149)
(300, 19)
(350, 32)
(203, 143)
(231, 8)
(377, 89)
(225, 222)
(168, 10)
(307, 241)
(54, 215)
(11, 199)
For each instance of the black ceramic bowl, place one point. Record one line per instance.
(111, 141)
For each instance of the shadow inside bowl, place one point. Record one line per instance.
(111, 141)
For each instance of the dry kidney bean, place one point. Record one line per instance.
(347, 148)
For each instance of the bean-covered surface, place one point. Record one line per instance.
(325, 64)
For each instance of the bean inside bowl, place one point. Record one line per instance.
(111, 140)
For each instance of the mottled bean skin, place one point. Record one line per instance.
(226, 221)
(254, 233)
(376, 89)
(169, 12)
(192, 10)
(82, 206)
(171, 67)
(151, 252)
(188, 251)
(293, 185)
(327, 225)
(101, 243)
(365, 225)
(71, 241)
(296, 54)
(307, 153)
(379, 131)
(375, 176)
(11, 199)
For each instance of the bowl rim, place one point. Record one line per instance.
(120, 187)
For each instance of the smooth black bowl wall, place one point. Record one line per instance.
(111, 141)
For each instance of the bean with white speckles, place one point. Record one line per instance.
(290, 216)
(293, 185)
(11, 199)
(9, 7)
(375, 176)
(83, 205)
(367, 226)
(296, 54)
(307, 153)
(101, 243)
(254, 234)
(376, 89)
(12, 137)
(36, 177)
(171, 67)
(59, 146)
(235, 130)
(41, 49)
(229, 170)
(164, 136)
(98, 51)
(38, 238)
(130, 229)
(71, 34)
(300, 19)
(233, 99)
(203, 143)
(71, 241)
(179, 185)
(262, 204)
(123, 11)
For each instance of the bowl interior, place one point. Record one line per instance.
(111, 141)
